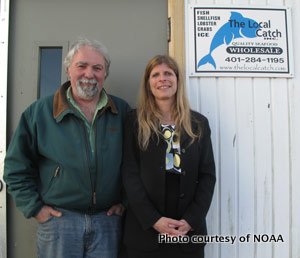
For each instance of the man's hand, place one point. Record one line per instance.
(45, 213)
(117, 209)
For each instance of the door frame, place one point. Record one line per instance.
(176, 32)
(4, 25)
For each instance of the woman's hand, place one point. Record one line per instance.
(185, 228)
(169, 226)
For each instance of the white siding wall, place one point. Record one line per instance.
(4, 14)
(255, 126)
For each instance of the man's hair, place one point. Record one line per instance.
(94, 44)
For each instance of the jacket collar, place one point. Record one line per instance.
(61, 107)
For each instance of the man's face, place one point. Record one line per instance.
(87, 73)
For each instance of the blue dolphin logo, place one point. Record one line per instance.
(228, 32)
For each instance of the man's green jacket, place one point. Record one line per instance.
(49, 159)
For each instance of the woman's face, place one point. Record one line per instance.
(163, 82)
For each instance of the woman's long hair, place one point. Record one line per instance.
(148, 113)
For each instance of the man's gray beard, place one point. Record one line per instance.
(87, 92)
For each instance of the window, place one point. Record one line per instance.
(50, 67)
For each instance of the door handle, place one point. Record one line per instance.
(1, 185)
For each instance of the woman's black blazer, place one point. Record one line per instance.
(143, 175)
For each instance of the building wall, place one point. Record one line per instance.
(4, 14)
(255, 126)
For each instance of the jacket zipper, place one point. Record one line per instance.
(94, 197)
(56, 172)
(96, 172)
(88, 159)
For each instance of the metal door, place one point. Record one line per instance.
(132, 30)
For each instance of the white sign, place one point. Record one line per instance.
(239, 42)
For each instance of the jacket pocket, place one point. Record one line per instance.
(54, 177)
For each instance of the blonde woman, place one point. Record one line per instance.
(168, 168)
